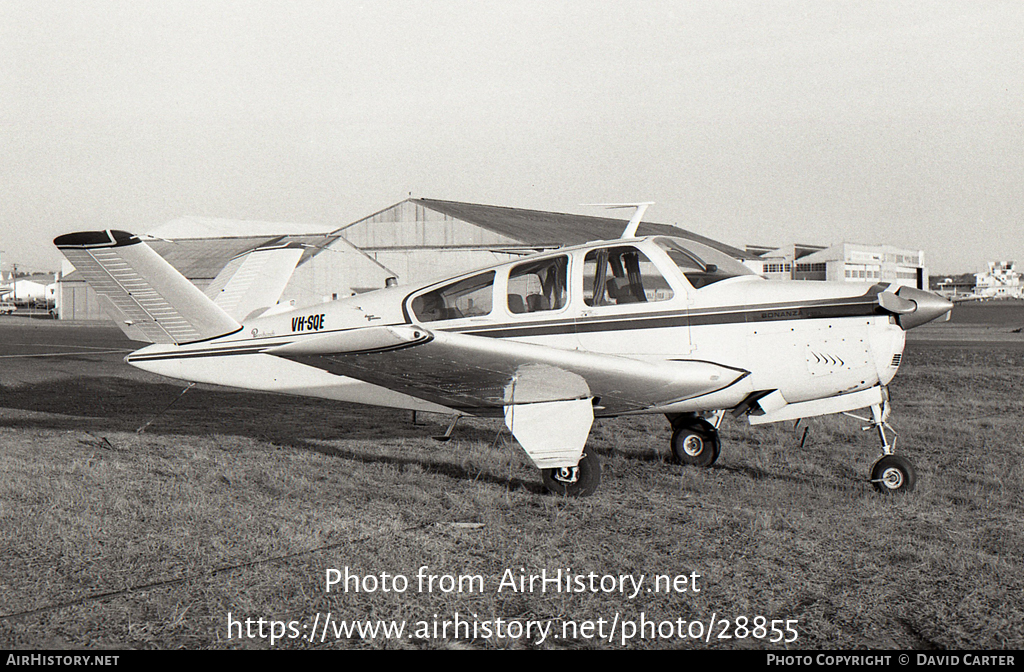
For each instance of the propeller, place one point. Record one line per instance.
(913, 307)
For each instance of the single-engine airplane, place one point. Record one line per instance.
(550, 341)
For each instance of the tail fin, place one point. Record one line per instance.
(254, 280)
(149, 299)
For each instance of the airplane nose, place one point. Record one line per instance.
(928, 307)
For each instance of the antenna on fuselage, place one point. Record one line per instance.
(634, 222)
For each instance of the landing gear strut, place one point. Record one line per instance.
(695, 440)
(892, 473)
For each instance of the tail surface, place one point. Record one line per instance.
(254, 280)
(147, 297)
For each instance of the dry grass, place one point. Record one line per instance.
(238, 503)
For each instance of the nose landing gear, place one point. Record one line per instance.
(892, 473)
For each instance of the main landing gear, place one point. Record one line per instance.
(892, 473)
(578, 481)
(695, 440)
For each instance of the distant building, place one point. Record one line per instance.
(36, 290)
(1002, 280)
(780, 263)
(954, 287)
(843, 262)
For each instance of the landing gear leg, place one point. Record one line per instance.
(892, 473)
(695, 440)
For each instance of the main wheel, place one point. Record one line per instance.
(893, 473)
(578, 481)
(696, 444)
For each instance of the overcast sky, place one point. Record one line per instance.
(768, 122)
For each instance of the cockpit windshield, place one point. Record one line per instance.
(702, 265)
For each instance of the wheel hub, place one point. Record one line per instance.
(892, 478)
(567, 475)
(693, 445)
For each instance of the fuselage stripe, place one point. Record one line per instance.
(858, 307)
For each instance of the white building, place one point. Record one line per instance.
(1002, 280)
(844, 262)
(35, 290)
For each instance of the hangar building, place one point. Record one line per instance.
(420, 238)
(412, 241)
(843, 262)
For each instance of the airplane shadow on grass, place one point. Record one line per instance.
(102, 405)
(844, 478)
(95, 405)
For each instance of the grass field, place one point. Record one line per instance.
(239, 503)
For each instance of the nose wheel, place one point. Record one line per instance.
(892, 473)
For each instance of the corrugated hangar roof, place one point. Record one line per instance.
(199, 258)
(199, 247)
(203, 257)
(538, 227)
(214, 227)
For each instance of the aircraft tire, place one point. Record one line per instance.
(696, 444)
(893, 474)
(581, 483)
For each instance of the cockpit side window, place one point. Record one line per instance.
(619, 275)
(538, 285)
(701, 264)
(466, 298)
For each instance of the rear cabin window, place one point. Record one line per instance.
(614, 276)
(538, 286)
(466, 298)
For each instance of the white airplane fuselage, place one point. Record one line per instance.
(802, 340)
(548, 342)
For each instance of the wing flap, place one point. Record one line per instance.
(552, 433)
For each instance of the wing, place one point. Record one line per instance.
(547, 395)
(481, 375)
